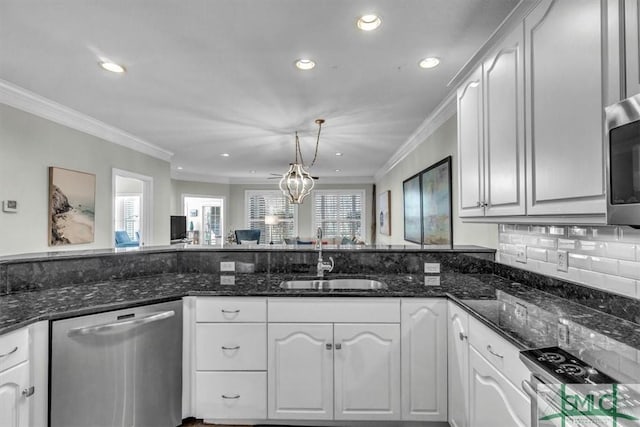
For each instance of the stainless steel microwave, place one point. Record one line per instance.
(623, 162)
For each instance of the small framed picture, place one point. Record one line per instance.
(193, 212)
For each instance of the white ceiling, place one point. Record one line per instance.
(207, 77)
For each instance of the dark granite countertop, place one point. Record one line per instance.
(526, 316)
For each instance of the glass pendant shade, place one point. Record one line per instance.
(296, 183)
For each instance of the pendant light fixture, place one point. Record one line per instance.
(297, 183)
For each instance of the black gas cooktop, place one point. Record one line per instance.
(563, 366)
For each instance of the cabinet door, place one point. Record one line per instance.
(458, 363)
(470, 159)
(632, 46)
(14, 407)
(424, 360)
(300, 374)
(564, 92)
(367, 371)
(504, 173)
(493, 400)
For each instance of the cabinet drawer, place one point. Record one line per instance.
(14, 348)
(221, 309)
(231, 347)
(240, 395)
(491, 346)
(334, 310)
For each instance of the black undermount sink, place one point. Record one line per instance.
(321, 284)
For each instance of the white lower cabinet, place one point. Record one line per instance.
(367, 371)
(14, 407)
(424, 359)
(231, 395)
(493, 400)
(458, 364)
(300, 371)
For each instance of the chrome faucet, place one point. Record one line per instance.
(322, 265)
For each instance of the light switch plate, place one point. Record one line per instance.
(227, 280)
(432, 280)
(563, 261)
(9, 206)
(521, 312)
(432, 267)
(227, 266)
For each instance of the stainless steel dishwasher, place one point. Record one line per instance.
(118, 369)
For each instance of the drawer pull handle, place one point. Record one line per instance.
(462, 336)
(235, 396)
(230, 311)
(338, 346)
(490, 350)
(231, 348)
(10, 353)
(28, 391)
(329, 346)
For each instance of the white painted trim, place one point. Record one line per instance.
(22, 99)
(146, 235)
(323, 180)
(443, 112)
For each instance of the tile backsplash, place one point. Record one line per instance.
(603, 257)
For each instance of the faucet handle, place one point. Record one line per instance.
(332, 264)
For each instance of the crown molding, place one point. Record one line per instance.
(199, 177)
(443, 112)
(323, 180)
(25, 100)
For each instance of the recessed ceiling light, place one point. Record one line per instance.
(337, 170)
(429, 62)
(225, 154)
(368, 22)
(112, 66)
(179, 168)
(338, 154)
(252, 171)
(305, 64)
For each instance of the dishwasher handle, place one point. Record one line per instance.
(106, 327)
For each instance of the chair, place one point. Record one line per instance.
(124, 241)
(247, 236)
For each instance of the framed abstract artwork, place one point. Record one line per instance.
(384, 212)
(428, 206)
(412, 209)
(72, 201)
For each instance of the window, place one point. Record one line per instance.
(271, 202)
(339, 213)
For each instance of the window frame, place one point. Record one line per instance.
(247, 220)
(338, 192)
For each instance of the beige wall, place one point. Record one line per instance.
(30, 144)
(440, 144)
(237, 214)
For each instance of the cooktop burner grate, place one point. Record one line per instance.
(563, 366)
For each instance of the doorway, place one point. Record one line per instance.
(205, 219)
(132, 213)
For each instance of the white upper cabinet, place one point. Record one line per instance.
(564, 91)
(504, 174)
(491, 134)
(632, 48)
(470, 158)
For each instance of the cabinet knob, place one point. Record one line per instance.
(28, 391)
(329, 346)
(338, 346)
(462, 336)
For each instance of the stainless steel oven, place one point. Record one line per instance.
(623, 162)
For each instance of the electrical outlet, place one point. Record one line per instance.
(563, 261)
(227, 280)
(563, 334)
(521, 254)
(227, 266)
(432, 267)
(432, 280)
(521, 312)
